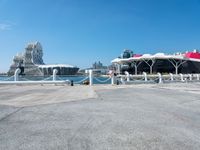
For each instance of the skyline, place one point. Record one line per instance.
(81, 32)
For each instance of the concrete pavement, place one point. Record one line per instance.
(128, 117)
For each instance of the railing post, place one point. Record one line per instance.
(17, 71)
(190, 77)
(91, 77)
(159, 77)
(198, 77)
(145, 76)
(127, 76)
(171, 77)
(181, 77)
(55, 71)
(112, 79)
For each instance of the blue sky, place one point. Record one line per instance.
(79, 32)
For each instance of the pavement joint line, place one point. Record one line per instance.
(5, 117)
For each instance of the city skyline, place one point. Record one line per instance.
(81, 32)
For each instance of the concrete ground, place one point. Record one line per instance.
(102, 117)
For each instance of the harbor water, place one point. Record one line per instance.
(75, 79)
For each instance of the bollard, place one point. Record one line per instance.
(171, 77)
(91, 77)
(17, 71)
(145, 76)
(181, 77)
(160, 77)
(55, 71)
(197, 76)
(127, 76)
(117, 82)
(112, 79)
(72, 83)
(190, 77)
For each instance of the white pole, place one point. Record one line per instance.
(176, 69)
(197, 76)
(160, 77)
(190, 77)
(127, 76)
(55, 71)
(181, 77)
(145, 76)
(91, 77)
(17, 71)
(112, 79)
(171, 77)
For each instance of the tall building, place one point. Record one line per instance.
(31, 63)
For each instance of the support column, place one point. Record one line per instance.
(135, 69)
(150, 65)
(136, 64)
(176, 69)
(176, 64)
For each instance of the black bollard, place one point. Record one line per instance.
(72, 83)
(117, 82)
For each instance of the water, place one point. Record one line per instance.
(75, 79)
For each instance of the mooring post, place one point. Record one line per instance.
(198, 77)
(127, 76)
(16, 76)
(112, 79)
(171, 77)
(91, 77)
(159, 77)
(145, 76)
(181, 75)
(190, 77)
(55, 71)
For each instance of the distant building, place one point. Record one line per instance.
(31, 63)
(187, 62)
(99, 68)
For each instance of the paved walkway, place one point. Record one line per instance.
(30, 95)
(102, 117)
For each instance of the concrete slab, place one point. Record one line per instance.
(29, 95)
(118, 117)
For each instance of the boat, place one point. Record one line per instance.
(31, 63)
(185, 63)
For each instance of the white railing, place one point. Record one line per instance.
(102, 81)
(124, 79)
(158, 78)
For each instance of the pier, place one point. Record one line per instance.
(144, 116)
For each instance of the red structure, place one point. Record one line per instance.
(195, 55)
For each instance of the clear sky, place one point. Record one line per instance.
(79, 32)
